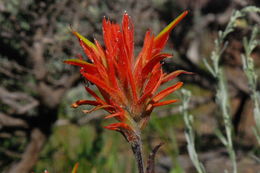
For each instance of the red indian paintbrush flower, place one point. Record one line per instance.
(128, 84)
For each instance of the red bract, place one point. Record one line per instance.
(128, 84)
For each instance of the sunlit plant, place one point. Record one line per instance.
(128, 84)
(249, 69)
(222, 95)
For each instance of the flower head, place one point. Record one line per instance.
(128, 84)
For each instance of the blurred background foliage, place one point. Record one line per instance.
(39, 130)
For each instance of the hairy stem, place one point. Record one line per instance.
(137, 150)
(133, 137)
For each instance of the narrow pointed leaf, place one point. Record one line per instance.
(91, 68)
(169, 27)
(101, 84)
(150, 65)
(161, 39)
(164, 103)
(152, 85)
(118, 115)
(91, 92)
(173, 75)
(166, 92)
(85, 102)
(75, 168)
(128, 36)
(106, 107)
(118, 126)
(85, 40)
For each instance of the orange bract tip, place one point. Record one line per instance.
(75, 168)
(166, 92)
(164, 103)
(77, 62)
(74, 105)
(118, 126)
(85, 102)
(174, 74)
(97, 108)
(118, 114)
(169, 27)
(85, 40)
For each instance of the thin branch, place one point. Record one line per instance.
(151, 160)
(9, 121)
(16, 100)
(31, 154)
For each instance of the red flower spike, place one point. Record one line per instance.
(128, 84)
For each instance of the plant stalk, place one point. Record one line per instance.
(137, 150)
